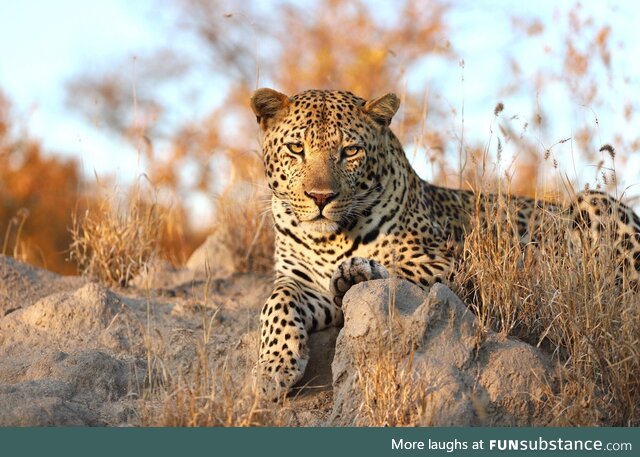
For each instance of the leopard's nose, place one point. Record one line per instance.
(321, 198)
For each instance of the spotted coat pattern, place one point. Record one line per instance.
(347, 206)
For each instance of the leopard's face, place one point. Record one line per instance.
(323, 153)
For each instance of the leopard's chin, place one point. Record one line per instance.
(321, 225)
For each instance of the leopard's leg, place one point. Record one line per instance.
(290, 313)
(353, 271)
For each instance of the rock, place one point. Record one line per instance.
(87, 387)
(513, 375)
(433, 338)
(213, 258)
(43, 403)
(73, 352)
(93, 376)
(91, 317)
(21, 285)
(70, 353)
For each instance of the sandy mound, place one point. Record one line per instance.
(73, 352)
(21, 284)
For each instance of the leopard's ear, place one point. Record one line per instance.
(382, 109)
(266, 103)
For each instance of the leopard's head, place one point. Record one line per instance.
(325, 153)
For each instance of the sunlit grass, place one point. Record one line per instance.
(113, 241)
(562, 292)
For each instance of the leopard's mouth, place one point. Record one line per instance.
(321, 224)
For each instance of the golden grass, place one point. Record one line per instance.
(246, 229)
(213, 392)
(563, 294)
(212, 396)
(112, 241)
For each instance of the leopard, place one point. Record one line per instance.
(348, 207)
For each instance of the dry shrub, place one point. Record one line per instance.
(213, 397)
(112, 241)
(213, 393)
(245, 225)
(561, 292)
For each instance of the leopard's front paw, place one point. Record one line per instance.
(274, 376)
(353, 271)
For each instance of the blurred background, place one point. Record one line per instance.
(100, 98)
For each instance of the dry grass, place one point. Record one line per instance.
(112, 241)
(565, 296)
(214, 391)
(212, 396)
(393, 393)
(246, 229)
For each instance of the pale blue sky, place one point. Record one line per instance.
(45, 43)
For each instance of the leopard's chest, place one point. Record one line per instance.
(314, 259)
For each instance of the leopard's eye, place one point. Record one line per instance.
(296, 148)
(352, 151)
